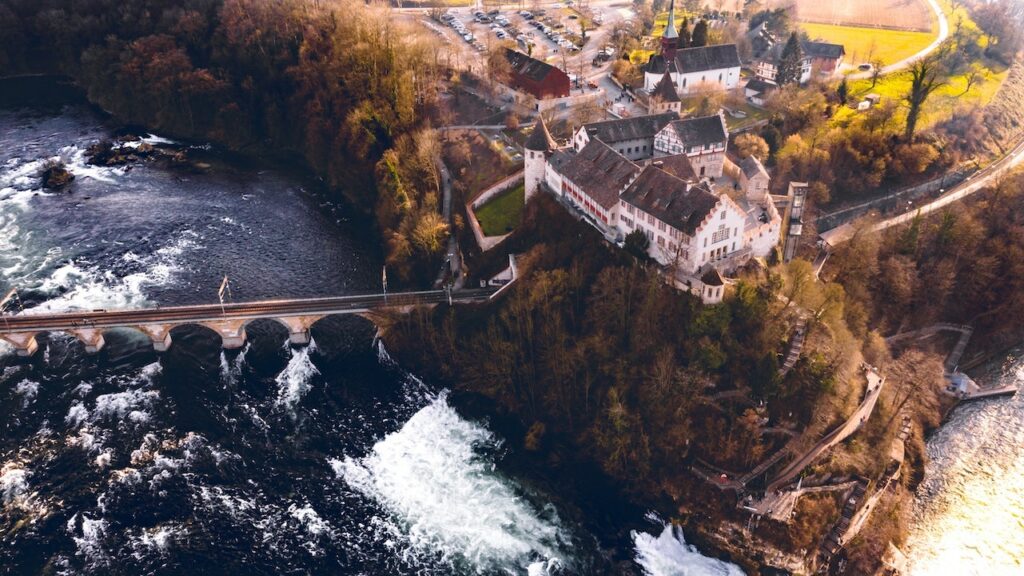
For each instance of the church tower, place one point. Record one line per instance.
(670, 38)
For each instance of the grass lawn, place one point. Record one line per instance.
(891, 45)
(502, 213)
(942, 102)
(947, 98)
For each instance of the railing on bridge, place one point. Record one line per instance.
(227, 319)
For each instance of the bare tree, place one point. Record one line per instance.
(926, 76)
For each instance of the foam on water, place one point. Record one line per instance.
(446, 499)
(968, 515)
(13, 482)
(75, 286)
(27, 389)
(297, 377)
(668, 554)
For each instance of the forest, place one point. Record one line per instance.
(964, 265)
(596, 355)
(336, 85)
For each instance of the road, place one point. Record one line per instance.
(906, 62)
(39, 322)
(854, 422)
(978, 181)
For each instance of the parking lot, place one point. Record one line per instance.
(543, 32)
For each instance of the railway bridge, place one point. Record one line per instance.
(228, 319)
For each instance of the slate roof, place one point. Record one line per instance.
(677, 165)
(761, 40)
(751, 167)
(761, 86)
(701, 131)
(635, 128)
(707, 58)
(597, 170)
(528, 67)
(657, 64)
(540, 139)
(712, 278)
(670, 199)
(809, 49)
(666, 89)
(824, 50)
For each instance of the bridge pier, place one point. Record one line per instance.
(92, 339)
(159, 335)
(232, 332)
(24, 343)
(300, 338)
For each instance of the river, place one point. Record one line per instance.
(968, 515)
(269, 460)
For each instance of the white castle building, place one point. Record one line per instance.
(666, 177)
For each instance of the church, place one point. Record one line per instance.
(691, 68)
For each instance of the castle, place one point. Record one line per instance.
(669, 178)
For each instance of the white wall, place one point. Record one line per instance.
(724, 78)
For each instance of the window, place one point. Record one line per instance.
(631, 209)
(723, 214)
(702, 173)
(719, 77)
(661, 241)
(684, 82)
(672, 246)
(650, 219)
(705, 242)
(650, 235)
(661, 226)
(720, 235)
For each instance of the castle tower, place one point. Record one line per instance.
(670, 38)
(537, 146)
(664, 97)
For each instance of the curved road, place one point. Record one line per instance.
(902, 64)
(973, 184)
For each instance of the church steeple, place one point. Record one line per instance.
(670, 38)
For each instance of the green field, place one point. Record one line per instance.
(502, 213)
(860, 43)
(947, 98)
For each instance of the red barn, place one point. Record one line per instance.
(534, 77)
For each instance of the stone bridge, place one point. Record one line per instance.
(228, 320)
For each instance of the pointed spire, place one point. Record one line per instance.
(670, 29)
(666, 89)
(540, 139)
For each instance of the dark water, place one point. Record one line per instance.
(327, 459)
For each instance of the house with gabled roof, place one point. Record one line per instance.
(539, 79)
(703, 140)
(631, 137)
